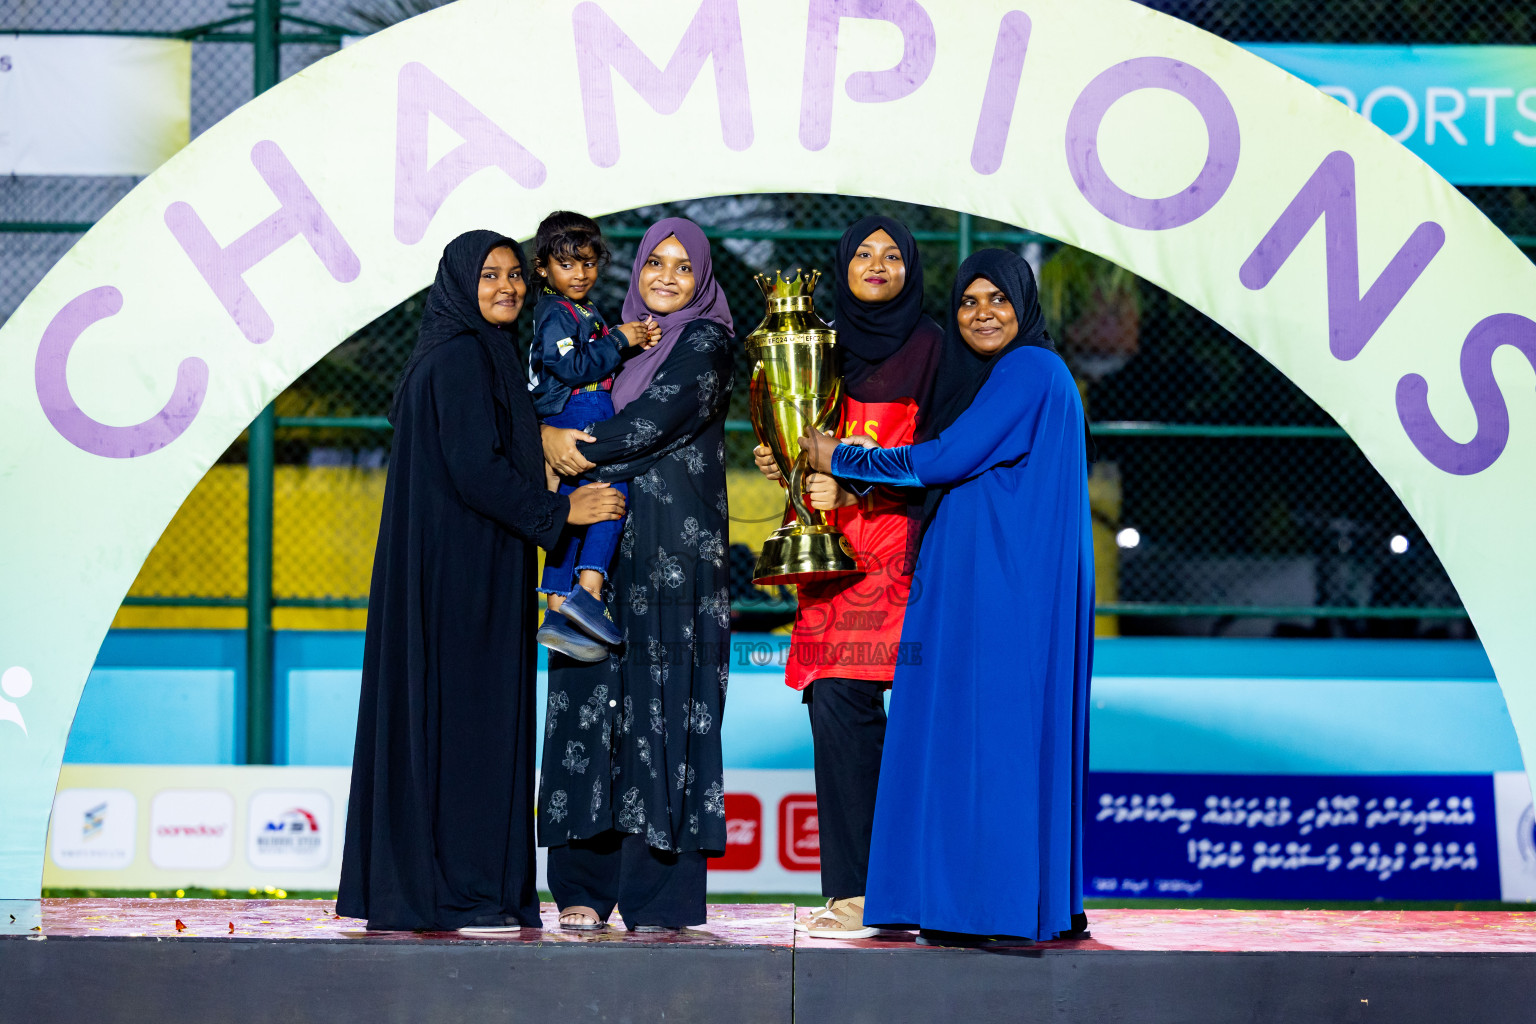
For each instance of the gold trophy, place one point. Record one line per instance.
(796, 389)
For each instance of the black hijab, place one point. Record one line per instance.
(962, 372)
(869, 334)
(453, 309)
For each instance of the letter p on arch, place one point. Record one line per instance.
(602, 47)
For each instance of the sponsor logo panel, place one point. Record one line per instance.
(1517, 837)
(799, 833)
(94, 829)
(743, 834)
(192, 829)
(289, 828)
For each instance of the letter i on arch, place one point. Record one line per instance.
(1002, 94)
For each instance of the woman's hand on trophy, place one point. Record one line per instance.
(818, 448)
(824, 494)
(595, 503)
(765, 464)
(560, 450)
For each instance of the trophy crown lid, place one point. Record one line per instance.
(779, 287)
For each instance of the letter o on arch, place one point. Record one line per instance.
(1220, 159)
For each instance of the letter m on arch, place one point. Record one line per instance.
(602, 48)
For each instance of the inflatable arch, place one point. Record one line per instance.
(1334, 252)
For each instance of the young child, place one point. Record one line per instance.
(571, 362)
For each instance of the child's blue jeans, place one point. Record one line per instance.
(582, 547)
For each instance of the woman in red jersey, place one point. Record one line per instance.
(847, 633)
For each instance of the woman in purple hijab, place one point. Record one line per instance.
(632, 792)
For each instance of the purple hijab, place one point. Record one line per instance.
(708, 303)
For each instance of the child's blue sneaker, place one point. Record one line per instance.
(591, 615)
(559, 635)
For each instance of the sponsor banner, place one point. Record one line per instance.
(1468, 111)
(1170, 836)
(119, 826)
(1292, 837)
(72, 104)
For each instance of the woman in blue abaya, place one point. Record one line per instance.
(978, 823)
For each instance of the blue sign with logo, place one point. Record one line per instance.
(1286, 837)
(1468, 111)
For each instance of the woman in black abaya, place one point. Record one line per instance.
(440, 820)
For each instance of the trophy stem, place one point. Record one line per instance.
(803, 511)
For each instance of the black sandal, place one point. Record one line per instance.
(1079, 930)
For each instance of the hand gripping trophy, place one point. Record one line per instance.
(795, 389)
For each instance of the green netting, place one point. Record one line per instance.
(1226, 501)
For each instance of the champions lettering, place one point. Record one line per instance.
(714, 34)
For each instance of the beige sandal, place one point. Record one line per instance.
(840, 919)
(582, 919)
(804, 923)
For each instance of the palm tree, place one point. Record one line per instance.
(381, 14)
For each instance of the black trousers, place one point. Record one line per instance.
(649, 886)
(848, 729)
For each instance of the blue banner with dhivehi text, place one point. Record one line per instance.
(1468, 111)
(1292, 837)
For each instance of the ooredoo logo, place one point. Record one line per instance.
(799, 833)
(743, 833)
(94, 829)
(289, 829)
(206, 831)
(191, 829)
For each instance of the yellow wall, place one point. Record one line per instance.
(327, 523)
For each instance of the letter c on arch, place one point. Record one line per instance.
(72, 422)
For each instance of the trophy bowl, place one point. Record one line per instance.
(795, 389)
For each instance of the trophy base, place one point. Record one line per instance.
(805, 554)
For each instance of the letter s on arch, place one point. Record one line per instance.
(1476, 455)
(72, 423)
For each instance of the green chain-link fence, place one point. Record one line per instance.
(1227, 502)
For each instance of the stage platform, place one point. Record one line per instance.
(176, 961)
